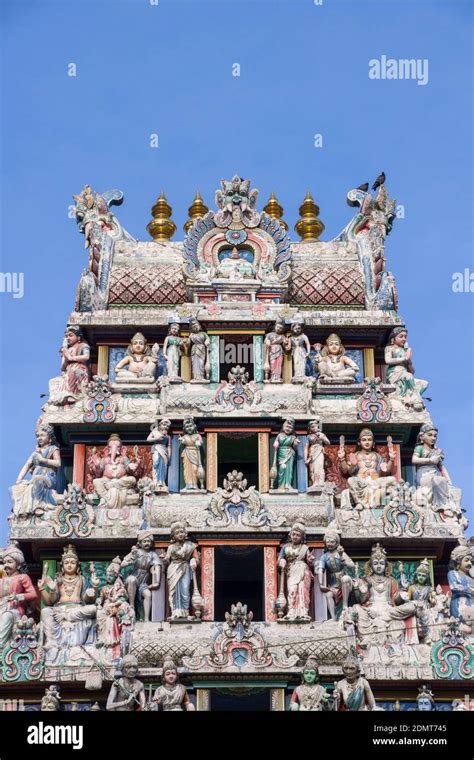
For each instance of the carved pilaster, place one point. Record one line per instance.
(263, 463)
(277, 700)
(203, 700)
(207, 581)
(211, 461)
(79, 464)
(103, 361)
(369, 363)
(270, 578)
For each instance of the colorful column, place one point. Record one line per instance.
(211, 461)
(185, 364)
(270, 580)
(103, 361)
(207, 581)
(214, 358)
(79, 464)
(263, 462)
(173, 470)
(369, 362)
(258, 358)
(301, 469)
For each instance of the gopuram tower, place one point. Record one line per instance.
(236, 482)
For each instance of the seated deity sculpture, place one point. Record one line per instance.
(68, 618)
(461, 583)
(35, 498)
(400, 370)
(16, 591)
(236, 264)
(434, 487)
(332, 364)
(142, 571)
(172, 696)
(295, 563)
(115, 615)
(310, 696)
(139, 365)
(114, 482)
(369, 477)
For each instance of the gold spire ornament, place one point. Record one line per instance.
(309, 227)
(161, 226)
(274, 210)
(196, 210)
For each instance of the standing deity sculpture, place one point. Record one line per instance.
(432, 478)
(421, 591)
(369, 476)
(181, 561)
(51, 701)
(353, 692)
(284, 457)
(139, 364)
(36, 497)
(461, 583)
(127, 693)
(173, 347)
(199, 344)
(115, 615)
(172, 696)
(16, 591)
(314, 454)
(310, 696)
(69, 616)
(295, 561)
(276, 345)
(336, 564)
(114, 481)
(425, 700)
(142, 571)
(332, 364)
(193, 470)
(300, 348)
(75, 364)
(161, 452)
(401, 372)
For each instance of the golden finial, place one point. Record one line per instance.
(197, 209)
(161, 227)
(274, 210)
(309, 227)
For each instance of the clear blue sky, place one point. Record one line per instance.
(167, 69)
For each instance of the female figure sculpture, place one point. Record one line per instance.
(161, 451)
(335, 563)
(182, 562)
(333, 366)
(193, 471)
(423, 592)
(314, 453)
(172, 350)
(432, 477)
(172, 696)
(276, 344)
(461, 583)
(199, 342)
(369, 476)
(37, 496)
(285, 447)
(295, 562)
(401, 372)
(16, 591)
(353, 692)
(139, 365)
(310, 695)
(300, 349)
(115, 615)
(127, 693)
(74, 363)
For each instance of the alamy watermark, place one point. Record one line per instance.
(463, 282)
(399, 68)
(13, 283)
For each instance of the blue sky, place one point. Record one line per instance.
(167, 69)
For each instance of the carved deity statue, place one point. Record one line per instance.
(161, 452)
(432, 478)
(310, 695)
(276, 345)
(314, 454)
(332, 364)
(182, 562)
(421, 591)
(173, 347)
(401, 372)
(338, 583)
(69, 616)
(295, 562)
(353, 692)
(284, 457)
(172, 696)
(115, 615)
(300, 349)
(16, 591)
(139, 365)
(369, 476)
(141, 570)
(461, 583)
(127, 693)
(199, 344)
(36, 497)
(193, 471)
(75, 364)
(51, 701)
(425, 701)
(114, 480)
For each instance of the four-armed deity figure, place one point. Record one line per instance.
(173, 347)
(332, 364)
(127, 693)
(161, 452)
(300, 348)
(16, 591)
(401, 372)
(182, 562)
(314, 454)
(276, 345)
(172, 696)
(114, 480)
(193, 471)
(432, 477)
(75, 360)
(336, 564)
(353, 692)
(369, 476)
(285, 446)
(139, 365)
(35, 497)
(115, 615)
(461, 583)
(141, 570)
(310, 696)
(295, 562)
(199, 343)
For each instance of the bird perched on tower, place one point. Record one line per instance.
(379, 181)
